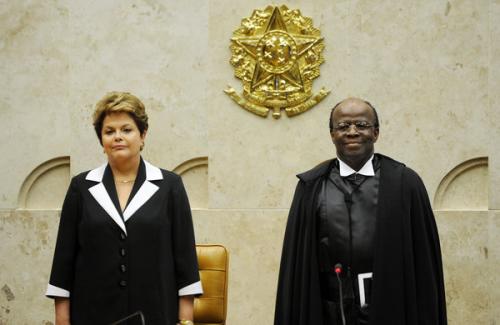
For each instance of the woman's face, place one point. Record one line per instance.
(121, 139)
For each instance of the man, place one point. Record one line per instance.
(361, 244)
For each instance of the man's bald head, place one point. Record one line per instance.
(350, 101)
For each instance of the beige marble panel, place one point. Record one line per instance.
(153, 49)
(431, 81)
(45, 187)
(194, 173)
(49, 190)
(28, 240)
(494, 263)
(465, 245)
(494, 107)
(33, 90)
(465, 187)
(196, 183)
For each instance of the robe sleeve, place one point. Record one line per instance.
(62, 274)
(298, 297)
(430, 292)
(186, 263)
(284, 296)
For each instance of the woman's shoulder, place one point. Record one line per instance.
(87, 177)
(80, 177)
(155, 173)
(78, 182)
(170, 181)
(169, 175)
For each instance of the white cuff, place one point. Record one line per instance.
(192, 289)
(53, 291)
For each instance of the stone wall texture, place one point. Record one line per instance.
(431, 67)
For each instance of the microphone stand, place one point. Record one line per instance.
(338, 270)
(348, 203)
(338, 267)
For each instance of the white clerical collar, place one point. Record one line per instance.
(366, 170)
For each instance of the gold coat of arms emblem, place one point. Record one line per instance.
(276, 53)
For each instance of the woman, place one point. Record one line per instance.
(125, 240)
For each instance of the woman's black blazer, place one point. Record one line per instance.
(112, 264)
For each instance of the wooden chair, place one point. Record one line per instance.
(211, 307)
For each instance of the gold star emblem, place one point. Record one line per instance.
(277, 53)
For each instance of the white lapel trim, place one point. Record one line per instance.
(142, 196)
(102, 197)
(146, 191)
(153, 173)
(97, 174)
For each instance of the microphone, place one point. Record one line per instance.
(338, 271)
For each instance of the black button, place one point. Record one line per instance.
(123, 283)
(123, 252)
(122, 236)
(123, 267)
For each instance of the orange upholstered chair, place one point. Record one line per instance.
(211, 307)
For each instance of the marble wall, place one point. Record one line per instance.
(432, 69)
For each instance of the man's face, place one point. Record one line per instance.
(354, 144)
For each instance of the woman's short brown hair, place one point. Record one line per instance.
(120, 102)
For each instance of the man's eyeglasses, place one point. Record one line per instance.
(358, 125)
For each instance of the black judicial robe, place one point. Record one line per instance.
(408, 287)
(114, 264)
